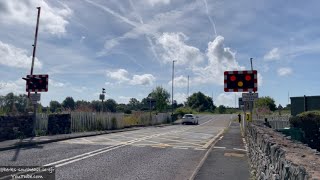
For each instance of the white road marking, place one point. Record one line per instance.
(106, 149)
(213, 139)
(218, 147)
(240, 149)
(180, 148)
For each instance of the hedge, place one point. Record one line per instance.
(309, 123)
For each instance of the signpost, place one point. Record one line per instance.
(35, 98)
(243, 81)
(249, 96)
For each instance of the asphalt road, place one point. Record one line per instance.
(170, 152)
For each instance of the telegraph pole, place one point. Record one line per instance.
(188, 88)
(172, 90)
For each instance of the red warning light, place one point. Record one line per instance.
(248, 77)
(233, 78)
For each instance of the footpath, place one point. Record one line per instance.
(227, 158)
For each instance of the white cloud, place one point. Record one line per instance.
(228, 99)
(145, 79)
(180, 97)
(274, 54)
(16, 57)
(52, 19)
(284, 71)
(124, 99)
(120, 75)
(17, 87)
(220, 59)
(155, 2)
(175, 48)
(56, 83)
(180, 81)
(260, 80)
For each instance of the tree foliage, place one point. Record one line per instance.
(11, 104)
(161, 96)
(69, 103)
(222, 109)
(54, 106)
(265, 103)
(134, 104)
(200, 102)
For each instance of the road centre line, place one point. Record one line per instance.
(103, 150)
(218, 147)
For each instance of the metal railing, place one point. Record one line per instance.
(275, 121)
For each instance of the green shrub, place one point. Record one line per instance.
(309, 123)
(183, 110)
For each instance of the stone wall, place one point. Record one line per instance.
(274, 156)
(59, 124)
(12, 127)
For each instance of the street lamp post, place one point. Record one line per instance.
(172, 90)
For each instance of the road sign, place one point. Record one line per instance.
(37, 83)
(35, 98)
(240, 81)
(249, 96)
(102, 96)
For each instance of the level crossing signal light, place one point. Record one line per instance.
(240, 81)
(37, 83)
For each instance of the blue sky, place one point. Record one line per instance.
(128, 46)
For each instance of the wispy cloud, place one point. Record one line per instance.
(152, 47)
(274, 54)
(210, 19)
(115, 14)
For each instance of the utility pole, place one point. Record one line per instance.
(32, 64)
(172, 90)
(188, 88)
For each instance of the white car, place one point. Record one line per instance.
(190, 118)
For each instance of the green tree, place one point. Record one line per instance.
(134, 104)
(68, 103)
(110, 105)
(200, 102)
(264, 105)
(54, 106)
(15, 104)
(96, 105)
(161, 96)
(222, 109)
(121, 107)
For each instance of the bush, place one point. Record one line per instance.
(183, 110)
(309, 123)
(127, 111)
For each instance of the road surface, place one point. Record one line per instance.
(169, 152)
